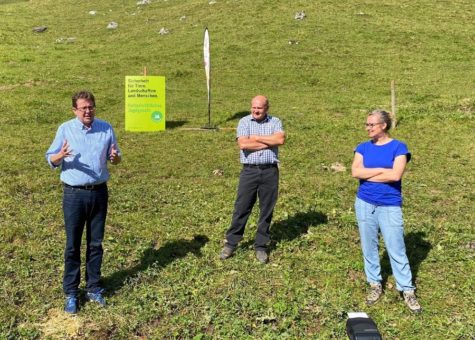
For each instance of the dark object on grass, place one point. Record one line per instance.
(362, 328)
(40, 29)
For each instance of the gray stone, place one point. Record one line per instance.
(65, 40)
(338, 167)
(163, 31)
(300, 15)
(112, 25)
(40, 29)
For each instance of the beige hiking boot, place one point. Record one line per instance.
(375, 292)
(411, 301)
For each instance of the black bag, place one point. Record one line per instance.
(362, 329)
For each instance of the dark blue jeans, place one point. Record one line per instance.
(83, 208)
(253, 183)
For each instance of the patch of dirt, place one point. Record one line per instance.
(58, 324)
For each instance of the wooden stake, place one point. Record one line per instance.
(393, 102)
(145, 71)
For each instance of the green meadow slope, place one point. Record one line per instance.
(169, 209)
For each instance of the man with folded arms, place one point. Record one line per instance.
(81, 149)
(258, 135)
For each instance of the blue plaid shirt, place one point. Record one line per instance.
(268, 126)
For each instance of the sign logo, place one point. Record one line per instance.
(156, 116)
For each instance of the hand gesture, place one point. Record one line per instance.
(65, 151)
(114, 155)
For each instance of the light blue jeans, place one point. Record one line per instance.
(372, 218)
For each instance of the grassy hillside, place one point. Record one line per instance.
(168, 211)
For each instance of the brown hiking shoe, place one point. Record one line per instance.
(375, 291)
(411, 301)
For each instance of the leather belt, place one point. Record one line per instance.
(86, 187)
(260, 166)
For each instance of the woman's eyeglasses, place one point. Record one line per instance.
(372, 125)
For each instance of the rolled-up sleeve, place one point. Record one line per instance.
(55, 147)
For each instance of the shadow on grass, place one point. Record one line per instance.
(161, 257)
(292, 227)
(173, 124)
(238, 115)
(296, 225)
(417, 250)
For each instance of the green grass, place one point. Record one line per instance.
(168, 212)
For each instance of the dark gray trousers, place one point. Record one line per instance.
(253, 183)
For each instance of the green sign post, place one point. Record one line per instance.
(144, 103)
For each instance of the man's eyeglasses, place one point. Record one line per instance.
(372, 125)
(86, 108)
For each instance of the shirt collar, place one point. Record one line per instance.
(82, 126)
(266, 119)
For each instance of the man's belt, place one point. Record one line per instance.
(86, 187)
(260, 166)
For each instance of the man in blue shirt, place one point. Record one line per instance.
(258, 135)
(81, 149)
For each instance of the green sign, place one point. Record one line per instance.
(144, 103)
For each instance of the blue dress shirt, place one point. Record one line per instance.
(90, 149)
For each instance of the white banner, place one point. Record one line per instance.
(207, 63)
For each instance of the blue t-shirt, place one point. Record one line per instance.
(381, 156)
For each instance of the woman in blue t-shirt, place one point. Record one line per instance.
(379, 165)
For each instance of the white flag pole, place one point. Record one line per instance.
(207, 63)
(393, 102)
